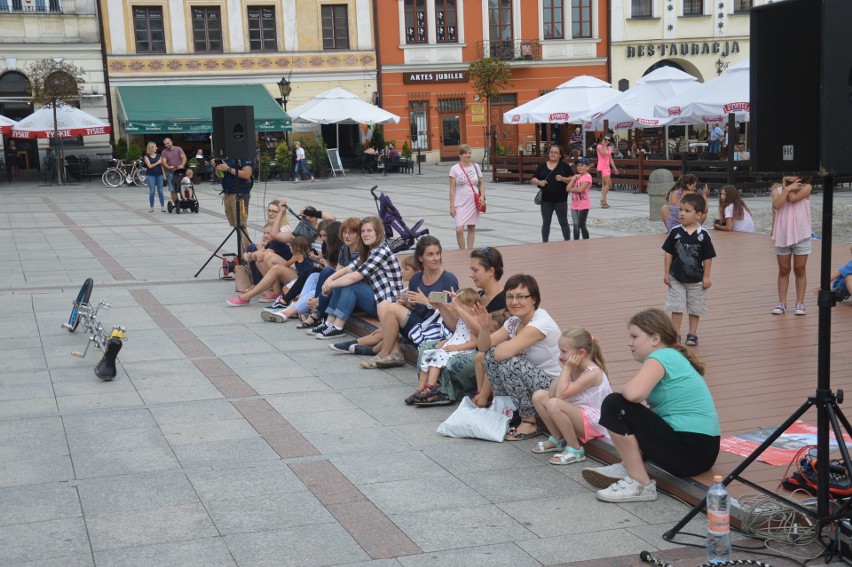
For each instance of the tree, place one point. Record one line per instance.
(489, 76)
(55, 82)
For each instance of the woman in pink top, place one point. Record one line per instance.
(581, 202)
(791, 231)
(465, 180)
(604, 165)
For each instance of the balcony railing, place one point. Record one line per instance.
(31, 6)
(510, 50)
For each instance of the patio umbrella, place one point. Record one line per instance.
(567, 103)
(712, 101)
(339, 106)
(70, 122)
(635, 107)
(5, 124)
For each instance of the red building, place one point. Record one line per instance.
(425, 47)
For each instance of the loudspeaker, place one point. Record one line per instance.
(233, 132)
(801, 87)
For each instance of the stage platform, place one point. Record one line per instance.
(760, 367)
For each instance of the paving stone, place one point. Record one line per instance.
(136, 528)
(154, 396)
(372, 468)
(496, 555)
(211, 552)
(42, 541)
(195, 412)
(267, 512)
(355, 441)
(472, 455)
(30, 407)
(99, 401)
(211, 431)
(221, 452)
(245, 482)
(521, 483)
(110, 463)
(330, 421)
(42, 470)
(109, 420)
(135, 492)
(301, 546)
(28, 504)
(302, 402)
(406, 496)
(589, 545)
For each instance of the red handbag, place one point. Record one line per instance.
(477, 198)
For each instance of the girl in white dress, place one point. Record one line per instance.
(434, 360)
(571, 408)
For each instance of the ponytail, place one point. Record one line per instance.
(690, 356)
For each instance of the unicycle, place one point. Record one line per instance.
(82, 299)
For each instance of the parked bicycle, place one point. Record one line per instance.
(121, 173)
(110, 344)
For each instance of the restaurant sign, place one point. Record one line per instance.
(683, 49)
(434, 77)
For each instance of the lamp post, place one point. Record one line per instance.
(285, 88)
(721, 66)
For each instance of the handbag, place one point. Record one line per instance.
(477, 198)
(490, 424)
(304, 228)
(242, 278)
(537, 198)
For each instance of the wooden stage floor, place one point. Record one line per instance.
(760, 367)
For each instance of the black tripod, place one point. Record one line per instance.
(239, 203)
(826, 402)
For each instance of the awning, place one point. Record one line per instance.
(183, 109)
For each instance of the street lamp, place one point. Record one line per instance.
(721, 66)
(285, 88)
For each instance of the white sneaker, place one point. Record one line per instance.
(628, 490)
(273, 316)
(602, 477)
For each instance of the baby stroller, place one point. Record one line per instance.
(190, 204)
(392, 221)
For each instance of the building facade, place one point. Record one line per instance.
(426, 47)
(205, 44)
(58, 30)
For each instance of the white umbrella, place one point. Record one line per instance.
(712, 101)
(6, 124)
(339, 106)
(70, 122)
(567, 103)
(634, 108)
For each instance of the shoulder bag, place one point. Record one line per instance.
(477, 198)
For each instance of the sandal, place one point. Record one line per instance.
(370, 364)
(309, 321)
(558, 446)
(436, 399)
(426, 393)
(390, 361)
(515, 435)
(691, 340)
(604, 204)
(568, 457)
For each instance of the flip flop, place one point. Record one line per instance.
(439, 399)
(691, 340)
(513, 435)
(604, 205)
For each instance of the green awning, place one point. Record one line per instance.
(182, 109)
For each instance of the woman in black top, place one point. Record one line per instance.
(551, 178)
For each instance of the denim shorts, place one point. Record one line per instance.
(802, 248)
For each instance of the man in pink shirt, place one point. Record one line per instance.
(173, 158)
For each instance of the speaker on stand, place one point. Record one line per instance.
(233, 132)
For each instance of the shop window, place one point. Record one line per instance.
(261, 28)
(207, 29)
(446, 21)
(148, 29)
(335, 26)
(418, 111)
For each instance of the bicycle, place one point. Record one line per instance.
(110, 345)
(118, 174)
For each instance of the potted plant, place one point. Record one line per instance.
(264, 166)
(317, 155)
(406, 150)
(284, 160)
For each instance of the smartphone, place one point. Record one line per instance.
(438, 297)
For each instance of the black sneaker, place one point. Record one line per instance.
(361, 350)
(330, 333)
(316, 329)
(343, 347)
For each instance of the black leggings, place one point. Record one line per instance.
(579, 218)
(678, 452)
(547, 210)
(296, 290)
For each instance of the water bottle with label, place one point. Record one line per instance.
(719, 522)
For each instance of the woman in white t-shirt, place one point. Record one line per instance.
(733, 212)
(522, 356)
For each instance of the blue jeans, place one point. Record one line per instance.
(301, 165)
(155, 181)
(344, 300)
(322, 306)
(715, 147)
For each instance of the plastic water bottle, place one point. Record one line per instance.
(719, 522)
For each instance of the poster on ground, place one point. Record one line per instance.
(784, 449)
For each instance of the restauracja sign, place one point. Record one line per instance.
(684, 49)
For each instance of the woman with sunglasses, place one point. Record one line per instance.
(550, 178)
(522, 356)
(606, 166)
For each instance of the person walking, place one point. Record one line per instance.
(154, 175)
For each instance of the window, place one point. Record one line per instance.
(418, 111)
(741, 6)
(693, 7)
(415, 21)
(500, 29)
(335, 27)
(148, 29)
(451, 105)
(553, 19)
(261, 28)
(641, 9)
(581, 18)
(446, 22)
(207, 29)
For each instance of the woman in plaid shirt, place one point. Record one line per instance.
(374, 277)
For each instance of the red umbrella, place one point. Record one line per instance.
(70, 122)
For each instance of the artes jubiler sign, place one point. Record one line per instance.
(434, 77)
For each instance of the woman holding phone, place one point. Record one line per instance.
(413, 313)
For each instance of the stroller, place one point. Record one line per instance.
(392, 221)
(189, 204)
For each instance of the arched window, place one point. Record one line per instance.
(15, 92)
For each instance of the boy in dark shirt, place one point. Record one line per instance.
(688, 256)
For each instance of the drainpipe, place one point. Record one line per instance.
(378, 52)
(608, 43)
(107, 91)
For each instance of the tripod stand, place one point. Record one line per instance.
(239, 203)
(826, 402)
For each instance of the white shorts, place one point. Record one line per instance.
(802, 248)
(687, 297)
